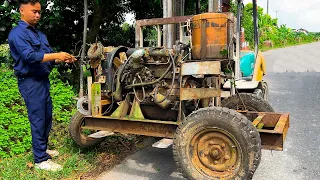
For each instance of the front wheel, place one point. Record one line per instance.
(217, 143)
(80, 135)
(246, 101)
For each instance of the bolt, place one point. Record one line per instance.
(223, 145)
(226, 157)
(215, 162)
(211, 143)
(206, 153)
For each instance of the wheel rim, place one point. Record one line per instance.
(215, 153)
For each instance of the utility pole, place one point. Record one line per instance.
(268, 7)
(276, 11)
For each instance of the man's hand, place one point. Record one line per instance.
(64, 57)
(72, 60)
(59, 57)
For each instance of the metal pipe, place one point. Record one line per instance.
(165, 27)
(83, 45)
(219, 6)
(170, 26)
(214, 6)
(237, 59)
(210, 6)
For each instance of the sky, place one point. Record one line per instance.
(294, 13)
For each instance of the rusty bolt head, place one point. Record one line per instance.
(223, 145)
(206, 153)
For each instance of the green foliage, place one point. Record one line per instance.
(5, 55)
(270, 30)
(14, 124)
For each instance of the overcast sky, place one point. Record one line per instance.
(294, 13)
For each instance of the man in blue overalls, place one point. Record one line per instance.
(34, 59)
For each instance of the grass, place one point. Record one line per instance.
(78, 164)
(263, 49)
(74, 161)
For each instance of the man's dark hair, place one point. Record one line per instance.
(33, 2)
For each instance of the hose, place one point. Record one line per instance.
(172, 83)
(143, 91)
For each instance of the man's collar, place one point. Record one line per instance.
(23, 24)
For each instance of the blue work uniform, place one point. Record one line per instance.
(28, 46)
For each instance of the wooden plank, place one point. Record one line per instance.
(96, 99)
(257, 121)
(89, 84)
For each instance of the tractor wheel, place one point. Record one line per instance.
(262, 90)
(79, 135)
(248, 102)
(217, 143)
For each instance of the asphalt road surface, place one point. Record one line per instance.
(294, 82)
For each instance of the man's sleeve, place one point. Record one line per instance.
(45, 39)
(25, 50)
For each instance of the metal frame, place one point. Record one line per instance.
(157, 22)
(272, 127)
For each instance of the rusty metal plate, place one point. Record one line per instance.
(201, 68)
(198, 93)
(131, 126)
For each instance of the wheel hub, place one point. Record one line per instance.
(216, 151)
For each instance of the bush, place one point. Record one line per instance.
(5, 55)
(14, 125)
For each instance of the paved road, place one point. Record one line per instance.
(294, 87)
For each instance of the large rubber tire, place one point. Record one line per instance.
(251, 102)
(187, 152)
(81, 139)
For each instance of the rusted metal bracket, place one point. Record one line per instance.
(122, 110)
(201, 68)
(198, 93)
(273, 128)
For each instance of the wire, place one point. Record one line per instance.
(172, 83)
